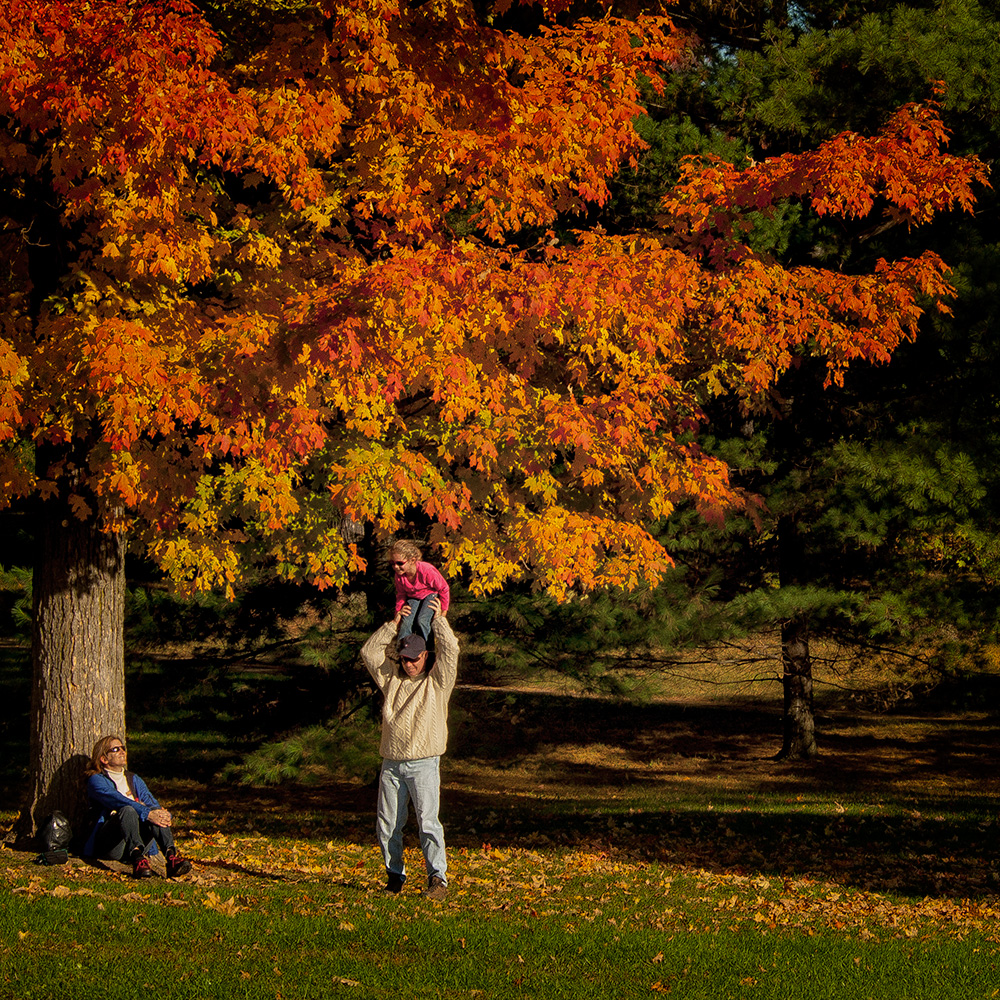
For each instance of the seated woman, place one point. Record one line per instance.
(128, 823)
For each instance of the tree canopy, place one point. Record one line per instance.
(341, 265)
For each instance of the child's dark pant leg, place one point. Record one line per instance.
(424, 616)
(408, 622)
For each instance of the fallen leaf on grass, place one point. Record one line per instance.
(33, 887)
(227, 907)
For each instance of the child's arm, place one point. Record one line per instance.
(433, 580)
(399, 582)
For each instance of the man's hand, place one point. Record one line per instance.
(159, 817)
(435, 606)
(404, 612)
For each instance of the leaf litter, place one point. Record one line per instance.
(583, 887)
(676, 842)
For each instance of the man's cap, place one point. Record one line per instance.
(412, 646)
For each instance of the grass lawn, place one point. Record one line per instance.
(265, 918)
(597, 848)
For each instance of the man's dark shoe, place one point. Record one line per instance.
(176, 865)
(141, 868)
(395, 882)
(436, 889)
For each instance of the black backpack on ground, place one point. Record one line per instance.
(55, 836)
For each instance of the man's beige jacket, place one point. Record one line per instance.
(415, 713)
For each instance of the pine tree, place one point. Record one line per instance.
(880, 497)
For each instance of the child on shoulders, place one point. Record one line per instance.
(417, 583)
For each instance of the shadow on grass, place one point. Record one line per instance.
(904, 803)
(906, 854)
(232, 866)
(861, 753)
(895, 854)
(199, 864)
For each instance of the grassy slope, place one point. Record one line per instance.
(599, 848)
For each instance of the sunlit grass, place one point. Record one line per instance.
(300, 919)
(598, 848)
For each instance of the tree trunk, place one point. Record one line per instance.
(799, 741)
(799, 736)
(375, 583)
(78, 685)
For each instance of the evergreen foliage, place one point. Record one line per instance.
(591, 638)
(343, 748)
(15, 602)
(802, 85)
(878, 513)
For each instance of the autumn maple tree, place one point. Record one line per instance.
(267, 276)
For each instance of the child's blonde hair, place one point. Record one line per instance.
(407, 549)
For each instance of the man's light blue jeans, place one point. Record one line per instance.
(401, 781)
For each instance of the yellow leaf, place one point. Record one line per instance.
(227, 907)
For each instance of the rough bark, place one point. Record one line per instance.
(78, 684)
(799, 738)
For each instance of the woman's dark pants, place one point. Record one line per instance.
(123, 832)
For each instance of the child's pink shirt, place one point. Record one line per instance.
(428, 581)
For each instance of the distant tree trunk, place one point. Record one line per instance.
(376, 581)
(799, 742)
(798, 722)
(78, 685)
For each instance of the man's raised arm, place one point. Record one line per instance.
(373, 654)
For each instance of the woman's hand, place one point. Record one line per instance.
(159, 817)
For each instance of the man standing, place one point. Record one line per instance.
(414, 736)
